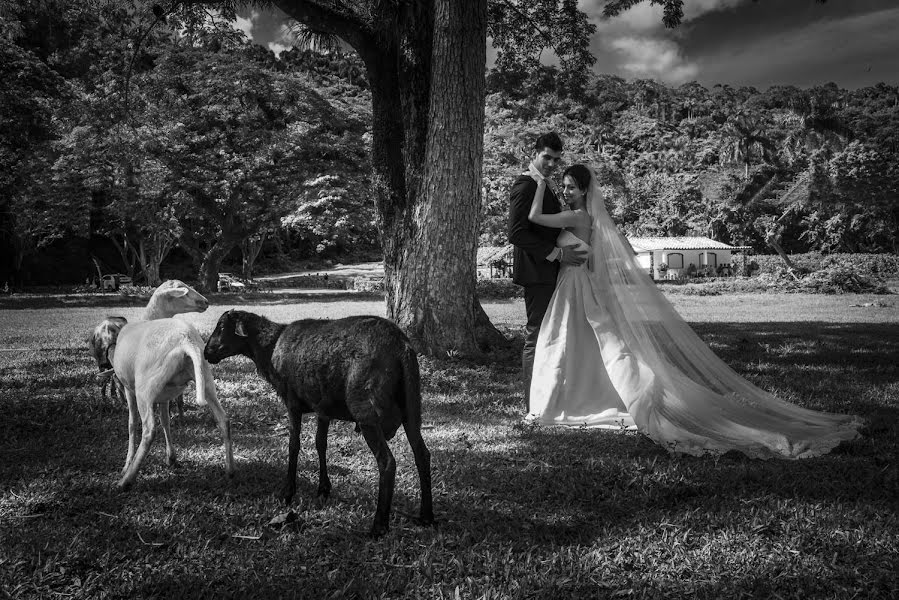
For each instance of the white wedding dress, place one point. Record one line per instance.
(612, 352)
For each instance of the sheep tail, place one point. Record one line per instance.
(411, 388)
(200, 371)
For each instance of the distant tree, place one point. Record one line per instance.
(31, 97)
(747, 138)
(238, 140)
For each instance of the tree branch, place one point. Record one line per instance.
(329, 20)
(523, 15)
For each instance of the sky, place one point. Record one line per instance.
(853, 43)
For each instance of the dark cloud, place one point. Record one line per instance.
(738, 42)
(763, 43)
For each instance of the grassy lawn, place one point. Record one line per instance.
(523, 512)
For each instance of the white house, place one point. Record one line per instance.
(680, 252)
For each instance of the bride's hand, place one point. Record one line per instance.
(572, 255)
(535, 174)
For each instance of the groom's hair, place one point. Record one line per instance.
(580, 174)
(549, 140)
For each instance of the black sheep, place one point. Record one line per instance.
(359, 369)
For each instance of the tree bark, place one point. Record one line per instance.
(425, 63)
(433, 293)
(249, 250)
(212, 262)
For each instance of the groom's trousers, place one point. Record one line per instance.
(536, 301)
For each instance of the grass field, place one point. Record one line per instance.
(523, 512)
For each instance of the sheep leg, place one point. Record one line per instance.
(133, 426)
(165, 421)
(423, 464)
(221, 419)
(376, 441)
(321, 446)
(289, 488)
(145, 406)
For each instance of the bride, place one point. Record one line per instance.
(612, 352)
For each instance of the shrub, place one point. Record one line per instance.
(139, 291)
(840, 279)
(880, 265)
(312, 281)
(500, 288)
(370, 285)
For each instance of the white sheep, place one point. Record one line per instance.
(154, 362)
(172, 297)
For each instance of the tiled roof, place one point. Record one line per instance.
(645, 244)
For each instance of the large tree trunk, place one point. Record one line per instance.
(433, 293)
(426, 71)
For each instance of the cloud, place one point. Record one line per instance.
(851, 51)
(648, 17)
(267, 29)
(697, 8)
(653, 58)
(245, 24)
(636, 43)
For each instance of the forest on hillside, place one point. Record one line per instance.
(201, 151)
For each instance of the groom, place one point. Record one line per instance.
(536, 259)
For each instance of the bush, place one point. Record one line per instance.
(500, 288)
(314, 281)
(880, 265)
(829, 280)
(139, 291)
(839, 279)
(370, 285)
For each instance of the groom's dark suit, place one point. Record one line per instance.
(530, 269)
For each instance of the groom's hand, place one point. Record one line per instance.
(570, 255)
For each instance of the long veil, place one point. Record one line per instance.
(674, 387)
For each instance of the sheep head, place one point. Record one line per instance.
(102, 340)
(229, 338)
(174, 297)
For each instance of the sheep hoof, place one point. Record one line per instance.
(123, 485)
(173, 463)
(324, 493)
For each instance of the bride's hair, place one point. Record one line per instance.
(581, 176)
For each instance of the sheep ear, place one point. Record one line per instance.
(239, 329)
(177, 292)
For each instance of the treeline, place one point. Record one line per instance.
(201, 151)
(172, 146)
(798, 169)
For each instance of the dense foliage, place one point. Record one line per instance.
(206, 149)
(816, 168)
(199, 140)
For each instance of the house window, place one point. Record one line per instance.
(711, 259)
(675, 260)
